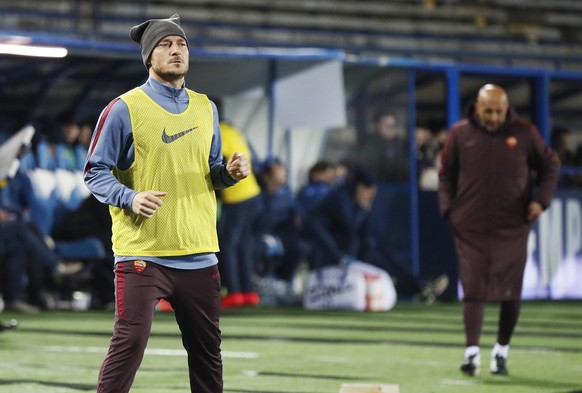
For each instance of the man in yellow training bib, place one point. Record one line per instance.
(155, 158)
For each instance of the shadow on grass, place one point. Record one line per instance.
(257, 391)
(427, 328)
(75, 386)
(535, 383)
(304, 339)
(308, 376)
(294, 375)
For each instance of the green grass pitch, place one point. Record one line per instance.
(290, 350)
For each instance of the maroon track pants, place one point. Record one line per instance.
(195, 297)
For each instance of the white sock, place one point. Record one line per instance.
(471, 350)
(499, 349)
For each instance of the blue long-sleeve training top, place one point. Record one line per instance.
(112, 147)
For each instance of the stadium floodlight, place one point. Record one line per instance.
(32, 50)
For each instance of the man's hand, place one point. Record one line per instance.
(238, 166)
(533, 211)
(146, 203)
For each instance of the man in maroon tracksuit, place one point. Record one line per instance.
(490, 164)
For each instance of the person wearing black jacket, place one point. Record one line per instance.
(340, 232)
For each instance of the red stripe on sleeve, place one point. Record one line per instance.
(100, 127)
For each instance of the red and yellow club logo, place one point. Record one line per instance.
(139, 266)
(511, 142)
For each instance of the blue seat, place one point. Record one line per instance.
(65, 157)
(80, 155)
(27, 161)
(45, 156)
(57, 192)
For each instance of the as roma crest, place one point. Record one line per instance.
(511, 142)
(139, 266)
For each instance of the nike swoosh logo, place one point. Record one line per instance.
(171, 138)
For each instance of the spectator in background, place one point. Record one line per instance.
(23, 251)
(561, 145)
(27, 256)
(70, 130)
(321, 180)
(92, 219)
(440, 138)
(426, 149)
(278, 229)
(65, 142)
(487, 194)
(384, 152)
(55, 144)
(340, 173)
(86, 127)
(339, 229)
(241, 204)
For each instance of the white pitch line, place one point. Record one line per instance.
(240, 355)
(457, 382)
(148, 351)
(73, 349)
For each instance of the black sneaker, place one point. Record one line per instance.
(499, 365)
(472, 365)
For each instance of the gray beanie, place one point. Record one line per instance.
(150, 32)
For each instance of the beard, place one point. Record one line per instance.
(170, 73)
(490, 127)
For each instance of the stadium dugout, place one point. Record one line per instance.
(303, 96)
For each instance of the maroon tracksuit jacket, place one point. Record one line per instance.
(486, 182)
